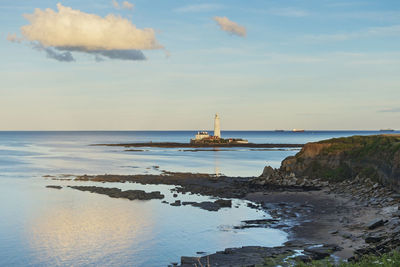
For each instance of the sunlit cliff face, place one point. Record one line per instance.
(89, 234)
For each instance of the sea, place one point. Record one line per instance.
(41, 226)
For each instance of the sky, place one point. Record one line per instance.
(171, 65)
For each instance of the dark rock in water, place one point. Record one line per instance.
(188, 203)
(261, 221)
(54, 186)
(210, 206)
(177, 203)
(251, 205)
(175, 195)
(256, 223)
(375, 224)
(224, 203)
(207, 205)
(141, 195)
(118, 193)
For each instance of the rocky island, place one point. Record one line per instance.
(204, 140)
(202, 145)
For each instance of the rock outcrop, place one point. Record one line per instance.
(118, 193)
(285, 180)
(376, 157)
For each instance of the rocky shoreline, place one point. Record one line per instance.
(363, 218)
(343, 220)
(315, 213)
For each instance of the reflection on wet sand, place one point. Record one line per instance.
(94, 232)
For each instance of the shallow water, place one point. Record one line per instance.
(48, 227)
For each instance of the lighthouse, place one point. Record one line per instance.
(217, 127)
(204, 139)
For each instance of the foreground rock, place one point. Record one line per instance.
(261, 256)
(283, 180)
(207, 205)
(54, 186)
(245, 256)
(118, 193)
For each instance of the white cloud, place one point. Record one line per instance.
(124, 5)
(12, 37)
(75, 31)
(198, 8)
(230, 26)
(115, 4)
(73, 28)
(127, 5)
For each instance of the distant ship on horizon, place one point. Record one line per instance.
(298, 130)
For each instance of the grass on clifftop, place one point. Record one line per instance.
(346, 157)
(361, 146)
(391, 259)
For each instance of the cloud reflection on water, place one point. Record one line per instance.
(85, 233)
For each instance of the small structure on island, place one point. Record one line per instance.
(203, 138)
(201, 135)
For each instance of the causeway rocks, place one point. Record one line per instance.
(118, 193)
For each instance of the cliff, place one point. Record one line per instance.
(376, 157)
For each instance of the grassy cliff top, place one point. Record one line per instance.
(374, 156)
(371, 145)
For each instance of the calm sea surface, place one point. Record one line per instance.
(47, 227)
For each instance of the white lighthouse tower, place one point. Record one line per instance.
(217, 127)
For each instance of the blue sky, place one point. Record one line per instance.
(302, 64)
